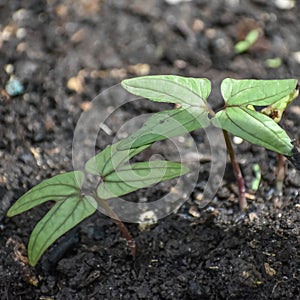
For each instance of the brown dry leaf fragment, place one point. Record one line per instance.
(270, 271)
(199, 196)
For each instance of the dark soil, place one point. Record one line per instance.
(217, 253)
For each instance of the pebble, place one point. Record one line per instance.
(14, 87)
(8, 32)
(75, 84)
(21, 33)
(237, 140)
(9, 69)
(285, 4)
(193, 210)
(296, 56)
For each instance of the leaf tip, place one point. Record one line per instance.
(10, 213)
(184, 169)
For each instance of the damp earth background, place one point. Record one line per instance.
(65, 53)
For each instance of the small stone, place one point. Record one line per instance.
(14, 87)
(75, 84)
(285, 4)
(9, 69)
(193, 210)
(78, 36)
(296, 56)
(8, 32)
(237, 140)
(21, 47)
(199, 196)
(180, 64)
(86, 105)
(21, 33)
(198, 25)
(210, 33)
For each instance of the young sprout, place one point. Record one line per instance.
(116, 177)
(249, 40)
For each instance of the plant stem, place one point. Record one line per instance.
(279, 181)
(126, 234)
(237, 172)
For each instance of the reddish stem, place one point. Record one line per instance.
(237, 172)
(125, 232)
(280, 173)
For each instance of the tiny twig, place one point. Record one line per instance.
(126, 234)
(237, 172)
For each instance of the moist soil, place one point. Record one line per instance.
(65, 53)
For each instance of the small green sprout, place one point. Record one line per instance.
(274, 63)
(249, 40)
(257, 179)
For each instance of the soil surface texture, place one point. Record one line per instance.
(62, 54)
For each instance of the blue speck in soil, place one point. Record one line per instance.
(14, 87)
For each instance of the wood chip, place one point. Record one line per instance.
(270, 271)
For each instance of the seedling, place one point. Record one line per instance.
(116, 177)
(249, 41)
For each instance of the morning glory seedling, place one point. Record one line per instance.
(116, 177)
(239, 116)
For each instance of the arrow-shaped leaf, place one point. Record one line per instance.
(255, 128)
(56, 188)
(166, 124)
(63, 216)
(172, 89)
(256, 92)
(111, 158)
(132, 177)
